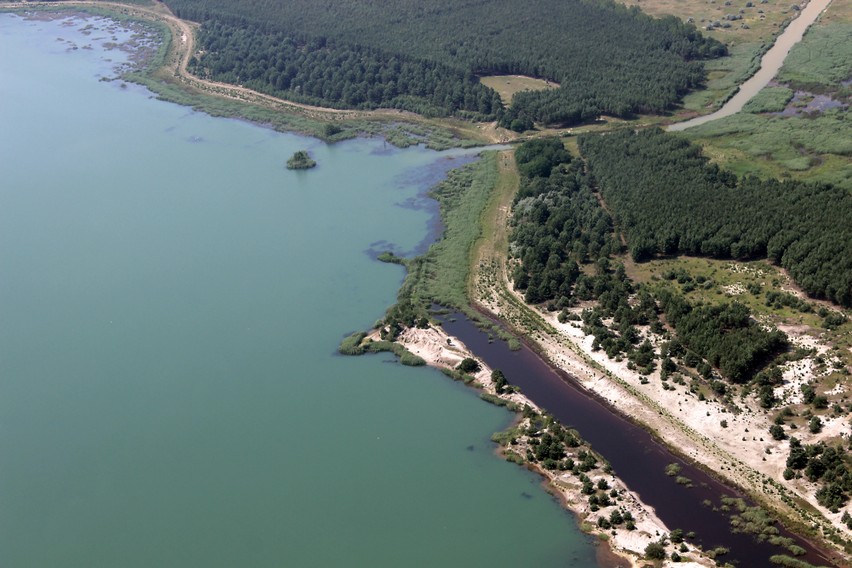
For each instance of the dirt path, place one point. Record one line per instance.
(183, 46)
(489, 256)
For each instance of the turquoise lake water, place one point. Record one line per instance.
(171, 298)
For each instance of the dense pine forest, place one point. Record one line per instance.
(426, 56)
(668, 199)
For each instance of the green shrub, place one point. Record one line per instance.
(655, 551)
(352, 344)
(469, 365)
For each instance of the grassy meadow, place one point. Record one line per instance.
(507, 85)
(808, 144)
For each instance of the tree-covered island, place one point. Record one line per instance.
(301, 161)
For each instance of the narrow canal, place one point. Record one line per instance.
(770, 64)
(637, 458)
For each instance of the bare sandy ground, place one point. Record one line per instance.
(743, 453)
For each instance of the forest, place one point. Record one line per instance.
(427, 57)
(668, 199)
(565, 252)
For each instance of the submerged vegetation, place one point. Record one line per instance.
(440, 275)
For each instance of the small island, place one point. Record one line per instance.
(300, 161)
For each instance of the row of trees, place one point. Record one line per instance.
(559, 226)
(668, 199)
(608, 58)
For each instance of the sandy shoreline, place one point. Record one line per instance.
(433, 346)
(742, 453)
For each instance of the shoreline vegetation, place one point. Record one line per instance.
(166, 75)
(441, 276)
(468, 271)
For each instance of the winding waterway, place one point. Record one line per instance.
(171, 299)
(770, 64)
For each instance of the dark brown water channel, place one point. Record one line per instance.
(637, 458)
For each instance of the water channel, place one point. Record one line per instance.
(636, 457)
(770, 64)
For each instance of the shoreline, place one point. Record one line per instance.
(169, 79)
(736, 462)
(566, 348)
(627, 546)
(744, 462)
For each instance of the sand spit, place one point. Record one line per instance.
(441, 350)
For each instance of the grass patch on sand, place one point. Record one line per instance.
(760, 286)
(712, 281)
(355, 344)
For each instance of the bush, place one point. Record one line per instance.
(815, 425)
(500, 381)
(673, 469)
(352, 344)
(655, 551)
(469, 365)
(410, 359)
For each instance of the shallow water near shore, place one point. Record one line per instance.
(171, 299)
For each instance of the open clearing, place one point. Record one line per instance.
(507, 85)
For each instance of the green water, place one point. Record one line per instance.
(171, 298)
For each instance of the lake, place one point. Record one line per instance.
(171, 301)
